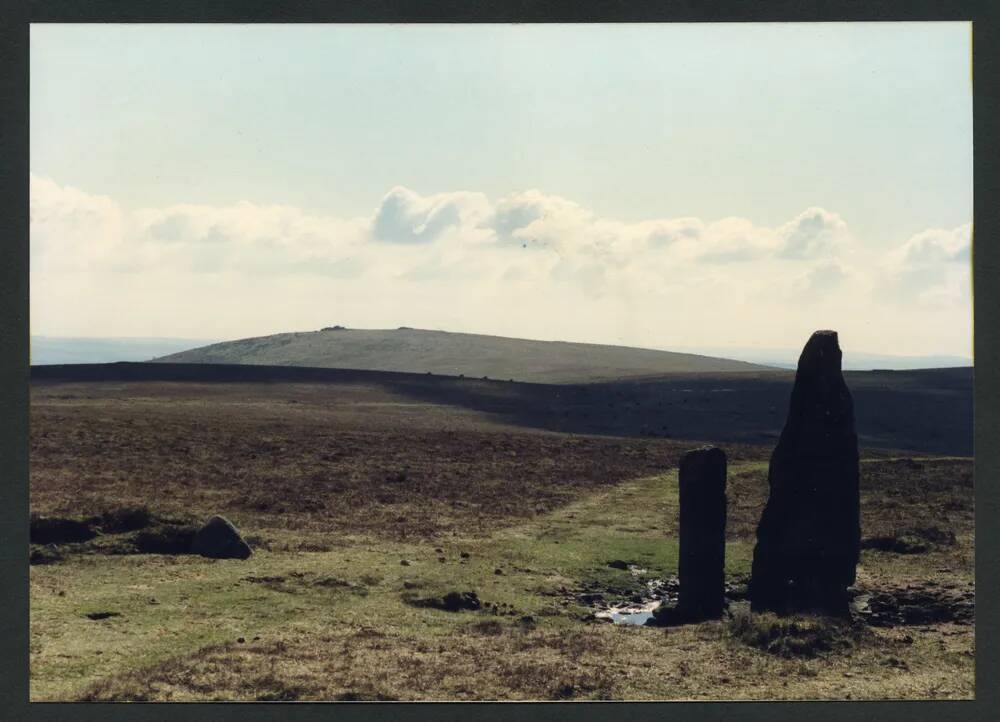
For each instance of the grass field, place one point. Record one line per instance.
(362, 503)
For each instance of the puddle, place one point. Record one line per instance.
(638, 611)
(639, 608)
(629, 613)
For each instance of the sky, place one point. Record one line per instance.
(652, 185)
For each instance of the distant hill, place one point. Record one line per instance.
(47, 350)
(454, 354)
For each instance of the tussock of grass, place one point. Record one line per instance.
(166, 539)
(798, 636)
(57, 530)
(124, 519)
(486, 627)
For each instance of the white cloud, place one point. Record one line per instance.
(932, 267)
(527, 264)
(70, 227)
(938, 246)
(814, 232)
(406, 217)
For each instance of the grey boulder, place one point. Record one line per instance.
(219, 539)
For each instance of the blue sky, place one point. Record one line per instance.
(822, 173)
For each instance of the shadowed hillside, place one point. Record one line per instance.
(928, 411)
(454, 354)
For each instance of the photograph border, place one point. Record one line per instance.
(14, 332)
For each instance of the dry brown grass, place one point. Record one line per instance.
(311, 466)
(506, 663)
(706, 661)
(897, 497)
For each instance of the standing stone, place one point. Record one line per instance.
(218, 539)
(809, 536)
(701, 568)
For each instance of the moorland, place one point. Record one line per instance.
(368, 497)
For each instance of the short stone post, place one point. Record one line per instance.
(702, 561)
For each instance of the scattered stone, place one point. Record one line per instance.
(219, 539)
(54, 530)
(454, 601)
(48, 554)
(808, 538)
(450, 602)
(102, 615)
(913, 606)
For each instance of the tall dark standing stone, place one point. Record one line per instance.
(809, 536)
(702, 561)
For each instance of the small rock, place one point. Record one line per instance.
(404, 562)
(464, 555)
(498, 571)
(241, 640)
(102, 615)
(219, 539)
(454, 601)
(618, 564)
(450, 602)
